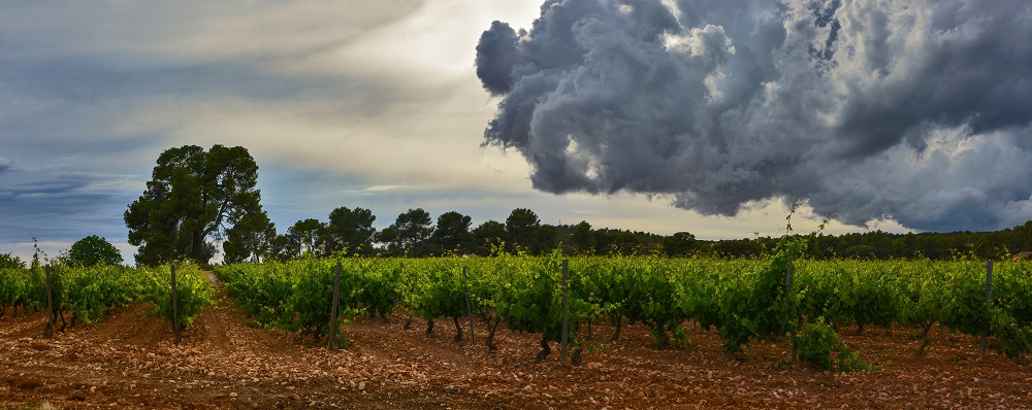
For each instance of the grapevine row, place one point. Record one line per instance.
(742, 299)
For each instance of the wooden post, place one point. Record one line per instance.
(335, 308)
(788, 280)
(988, 300)
(175, 306)
(469, 306)
(48, 279)
(565, 339)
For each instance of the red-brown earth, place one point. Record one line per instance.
(129, 361)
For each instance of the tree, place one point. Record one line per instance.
(521, 229)
(250, 239)
(582, 239)
(8, 261)
(409, 234)
(452, 234)
(350, 230)
(487, 236)
(305, 237)
(679, 244)
(94, 250)
(193, 196)
(283, 248)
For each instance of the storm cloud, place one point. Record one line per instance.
(913, 111)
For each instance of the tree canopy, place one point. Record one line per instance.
(193, 197)
(521, 228)
(94, 250)
(409, 233)
(350, 231)
(452, 236)
(8, 261)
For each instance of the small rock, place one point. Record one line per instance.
(233, 395)
(361, 386)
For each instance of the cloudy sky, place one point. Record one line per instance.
(379, 104)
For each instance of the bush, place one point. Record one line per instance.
(819, 346)
(193, 292)
(1014, 338)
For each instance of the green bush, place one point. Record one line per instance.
(818, 345)
(193, 292)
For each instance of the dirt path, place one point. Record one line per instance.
(128, 361)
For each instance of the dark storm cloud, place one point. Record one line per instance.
(913, 111)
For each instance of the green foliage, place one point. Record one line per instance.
(8, 261)
(297, 295)
(818, 345)
(452, 235)
(94, 250)
(89, 293)
(761, 305)
(195, 195)
(522, 231)
(744, 299)
(350, 231)
(253, 237)
(409, 234)
(14, 287)
(193, 292)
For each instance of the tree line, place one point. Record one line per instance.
(199, 198)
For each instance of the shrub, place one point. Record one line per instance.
(818, 345)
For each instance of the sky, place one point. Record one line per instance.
(384, 105)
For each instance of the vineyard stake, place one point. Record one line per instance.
(469, 306)
(564, 340)
(335, 307)
(48, 279)
(788, 279)
(175, 306)
(988, 299)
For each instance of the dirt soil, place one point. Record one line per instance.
(130, 361)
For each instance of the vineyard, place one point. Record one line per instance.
(477, 332)
(743, 300)
(84, 295)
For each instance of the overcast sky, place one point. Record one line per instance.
(374, 104)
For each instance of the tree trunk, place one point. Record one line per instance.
(618, 323)
(491, 335)
(545, 350)
(925, 340)
(662, 338)
(58, 313)
(430, 327)
(458, 330)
